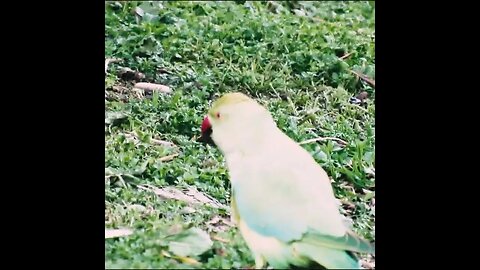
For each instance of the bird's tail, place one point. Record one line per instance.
(328, 257)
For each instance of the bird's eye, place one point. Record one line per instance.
(218, 115)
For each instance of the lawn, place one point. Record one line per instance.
(305, 61)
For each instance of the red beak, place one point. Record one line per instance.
(206, 125)
(206, 132)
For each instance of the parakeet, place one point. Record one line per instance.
(282, 199)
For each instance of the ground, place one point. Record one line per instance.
(305, 61)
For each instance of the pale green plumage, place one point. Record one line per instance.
(282, 201)
(226, 100)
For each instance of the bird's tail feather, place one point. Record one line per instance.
(328, 257)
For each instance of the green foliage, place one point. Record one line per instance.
(288, 55)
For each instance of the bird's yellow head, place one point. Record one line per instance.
(234, 119)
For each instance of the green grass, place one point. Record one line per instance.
(291, 63)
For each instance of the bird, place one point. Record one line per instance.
(282, 200)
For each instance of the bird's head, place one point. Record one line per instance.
(235, 121)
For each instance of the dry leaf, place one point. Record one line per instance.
(202, 198)
(170, 193)
(191, 195)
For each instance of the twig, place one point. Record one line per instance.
(162, 70)
(219, 239)
(111, 60)
(153, 87)
(346, 55)
(162, 142)
(122, 180)
(168, 158)
(364, 77)
(324, 139)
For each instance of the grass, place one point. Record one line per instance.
(295, 58)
